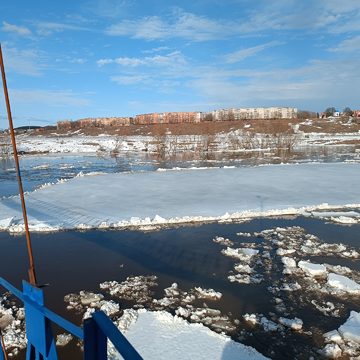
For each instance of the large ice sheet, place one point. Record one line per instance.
(182, 196)
(159, 335)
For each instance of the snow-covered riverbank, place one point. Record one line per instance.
(237, 140)
(169, 197)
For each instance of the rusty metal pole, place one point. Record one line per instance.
(32, 276)
(3, 346)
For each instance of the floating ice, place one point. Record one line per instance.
(289, 265)
(240, 253)
(261, 320)
(290, 286)
(136, 288)
(327, 308)
(294, 324)
(151, 331)
(311, 269)
(207, 293)
(63, 339)
(350, 330)
(331, 351)
(12, 326)
(346, 338)
(222, 241)
(343, 283)
(80, 208)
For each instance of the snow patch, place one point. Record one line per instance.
(160, 330)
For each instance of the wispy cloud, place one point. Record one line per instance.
(130, 79)
(320, 83)
(15, 29)
(348, 46)
(172, 59)
(179, 25)
(242, 54)
(282, 15)
(156, 49)
(26, 62)
(163, 73)
(51, 98)
(108, 8)
(79, 61)
(329, 16)
(48, 28)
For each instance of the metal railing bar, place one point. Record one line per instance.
(12, 289)
(120, 342)
(58, 320)
(65, 324)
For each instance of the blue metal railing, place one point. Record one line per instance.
(41, 343)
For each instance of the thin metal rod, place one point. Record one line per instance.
(32, 276)
(3, 345)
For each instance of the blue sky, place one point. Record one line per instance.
(73, 59)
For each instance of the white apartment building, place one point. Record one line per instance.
(254, 113)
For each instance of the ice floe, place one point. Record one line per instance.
(155, 199)
(135, 288)
(151, 331)
(86, 303)
(311, 269)
(63, 339)
(345, 341)
(223, 241)
(12, 326)
(343, 284)
(294, 324)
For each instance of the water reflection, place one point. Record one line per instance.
(42, 169)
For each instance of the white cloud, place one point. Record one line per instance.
(107, 8)
(78, 61)
(331, 16)
(156, 49)
(150, 28)
(282, 15)
(25, 62)
(248, 52)
(52, 98)
(180, 25)
(173, 59)
(48, 28)
(314, 86)
(348, 45)
(130, 79)
(19, 30)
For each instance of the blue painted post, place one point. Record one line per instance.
(122, 345)
(2, 356)
(95, 341)
(41, 343)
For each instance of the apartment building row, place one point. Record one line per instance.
(183, 117)
(254, 113)
(93, 122)
(167, 118)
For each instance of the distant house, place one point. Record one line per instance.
(336, 113)
(356, 113)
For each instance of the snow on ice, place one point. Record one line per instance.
(12, 326)
(180, 339)
(345, 340)
(125, 200)
(311, 269)
(343, 284)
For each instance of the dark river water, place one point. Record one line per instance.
(72, 261)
